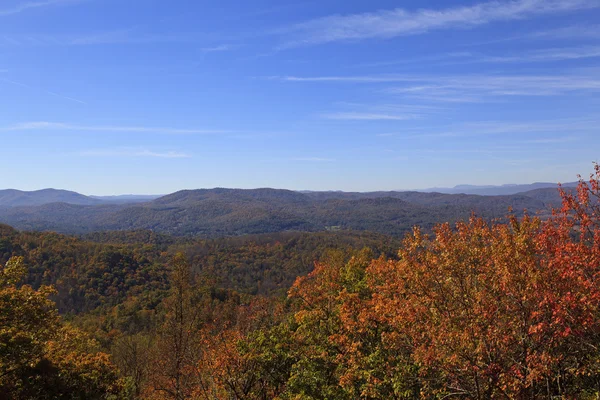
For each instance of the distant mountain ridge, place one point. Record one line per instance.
(230, 212)
(17, 198)
(499, 190)
(127, 198)
(21, 198)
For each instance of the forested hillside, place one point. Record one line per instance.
(104, 269)
(14, 198)
(230, 212)
(477, 309)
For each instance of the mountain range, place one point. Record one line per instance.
(497, 190)
(17, 198)
(228, 212)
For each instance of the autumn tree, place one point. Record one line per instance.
(497, 310)
(476, 310)
(468, 300)
(133, 355)
(340, 344)
(80, 370)
(250, 356)
(28, 320)
(178, 347)
(39, 358)
(571, 241)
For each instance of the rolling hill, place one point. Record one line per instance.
(500, 190)
(231, 212)
(16, 198)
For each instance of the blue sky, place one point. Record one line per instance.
(154, 96)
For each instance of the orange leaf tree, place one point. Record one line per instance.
(502, 310)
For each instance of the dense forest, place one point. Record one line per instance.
(213, 213)
(473, 309)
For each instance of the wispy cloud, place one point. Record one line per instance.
(568, 32)
(401, 22)
(468, 88)
(223, 47)
(118, 36)
(543, 126)
(546, 55)
(582, 125)
(358, 116)
(381, 112)
(51, 93)
(58, 126)
(533, 56)
(19, 8)
(126, 36)
(579, 31)
(133, 152)
(312, 159)
(552, 140)
(417, 60)
(477, 87)
(347, 79)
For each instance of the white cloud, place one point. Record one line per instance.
(546, 55)
(399, 22)
(127, 36)
(127, 152)
(475, 87)
(313, 159)
(223, 47)
(361, 116)
(559, 125)
(553, 140)
(579, 31)
(381, 112)
(520, 129)
(58, 126)
(468, 88)
(567, 32)
(418, 60)
(532, 56)
(347, 79)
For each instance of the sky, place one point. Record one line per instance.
(153, 96)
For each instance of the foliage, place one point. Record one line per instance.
(39, 359)
(178, 347)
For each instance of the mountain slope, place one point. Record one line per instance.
(503, 190)
(126, 198)
(231, 212)
(18, 198)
